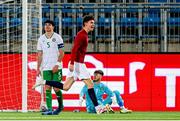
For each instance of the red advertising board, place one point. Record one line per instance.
(147, 82)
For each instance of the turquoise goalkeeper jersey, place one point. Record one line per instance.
(99, 89)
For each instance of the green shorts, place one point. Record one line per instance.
(50, 76)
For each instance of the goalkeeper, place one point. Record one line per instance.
(100, 89)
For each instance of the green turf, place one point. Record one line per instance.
(86, 116)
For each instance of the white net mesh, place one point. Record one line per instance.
(11, 56)
(34, 31)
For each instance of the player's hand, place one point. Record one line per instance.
(71, 67)
(39, 78)
(38, 72)
(55, 69)
(81, 101)
(114, 100)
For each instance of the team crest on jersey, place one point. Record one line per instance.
(54, 39)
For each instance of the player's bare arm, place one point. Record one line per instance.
(39, 61)
(61, 55)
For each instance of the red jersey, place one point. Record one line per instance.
(79, 48)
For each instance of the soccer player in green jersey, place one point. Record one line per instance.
(50, 54)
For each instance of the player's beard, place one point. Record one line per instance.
(95, 80)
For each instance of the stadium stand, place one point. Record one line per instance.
(124, 21)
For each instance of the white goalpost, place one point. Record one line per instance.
(25, 51)
(24, 55)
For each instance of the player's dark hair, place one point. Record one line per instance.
(50, 22)
(87, 18)
(99, 72)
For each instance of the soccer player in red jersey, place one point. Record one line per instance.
(77, 68)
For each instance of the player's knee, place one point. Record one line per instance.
(48, 87)
(69, 82)
(66, 88)
(110, 101)
(90, 85)
(56, 89)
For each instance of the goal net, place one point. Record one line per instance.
(16, 94)
(11, 27)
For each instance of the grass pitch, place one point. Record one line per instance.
(85, 116)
